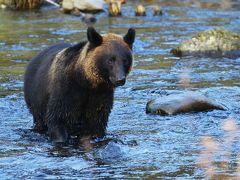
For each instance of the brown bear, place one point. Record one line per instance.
(69, 89)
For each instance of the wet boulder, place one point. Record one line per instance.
(211, 43)
(111, 151)
(114, 9)
(140, 10)
(181, 103)
(157, 11)
(83, 5)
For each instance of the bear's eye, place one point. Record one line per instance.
(111, 60)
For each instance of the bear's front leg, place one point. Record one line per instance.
(55, 123)
(57, 133)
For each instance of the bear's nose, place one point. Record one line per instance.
(120, 82)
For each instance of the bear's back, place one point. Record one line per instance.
(36, 74)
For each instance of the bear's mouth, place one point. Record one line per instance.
(119, 82)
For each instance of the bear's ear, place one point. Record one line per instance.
(129, 37)
(94, 37)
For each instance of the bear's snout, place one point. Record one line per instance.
(120, 82)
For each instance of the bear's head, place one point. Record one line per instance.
(107, 59)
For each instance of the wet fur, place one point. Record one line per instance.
(64, 98)
(66, 93)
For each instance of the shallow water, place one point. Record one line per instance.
(137, 144)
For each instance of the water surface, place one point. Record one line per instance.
(137, 144)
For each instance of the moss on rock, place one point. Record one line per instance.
(213, 42)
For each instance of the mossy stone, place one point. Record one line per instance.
(216, 42)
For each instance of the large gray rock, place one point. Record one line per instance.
(181, 103)
(214, 43)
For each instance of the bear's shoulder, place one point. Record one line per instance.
(75, 49)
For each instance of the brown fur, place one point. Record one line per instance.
(89, 66)
(69, 89)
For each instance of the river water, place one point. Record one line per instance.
(138, 145)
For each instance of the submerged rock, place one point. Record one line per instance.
(214, 43)
(181, 103)
(111, 151)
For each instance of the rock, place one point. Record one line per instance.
(214, 43)
(76, 12)
(111, 151)
(111, 1)
(83, 5)
(181, 103)
(114, 9)
(140, 10)
(67, 5)
(89, 19)
(3, 6)
(157, 11)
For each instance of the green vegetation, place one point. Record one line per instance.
(22, 4)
